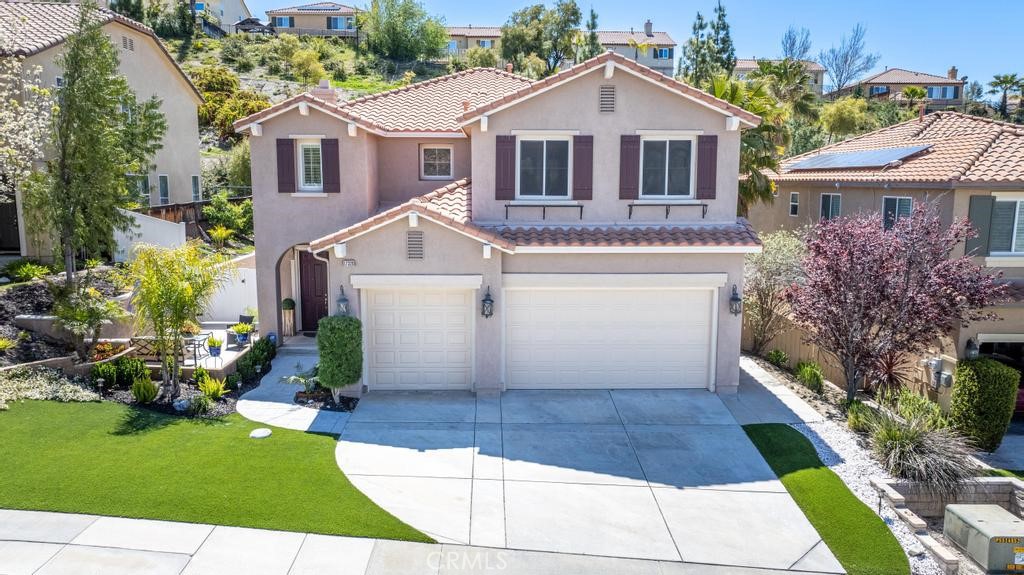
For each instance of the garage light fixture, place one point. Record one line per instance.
(487, 305)
(342, 302)
(735, 302)
(971, 349)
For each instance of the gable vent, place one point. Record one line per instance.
(414, 245)
(606, 99)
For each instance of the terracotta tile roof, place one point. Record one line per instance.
(747, 64)
(901, 76)
(475, 31)
(451, 205)
(33, 27)
(316, 8)
(963, 149)
(622, 38)
(600, 60)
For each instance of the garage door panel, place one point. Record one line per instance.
(606, 338)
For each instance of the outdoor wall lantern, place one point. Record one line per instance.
(735, 302)
(342, 302)
(487, 305)
(971, 349)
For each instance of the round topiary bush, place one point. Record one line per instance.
(340, 341)
(984, 395)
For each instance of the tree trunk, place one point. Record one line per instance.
(852, 375)
(69, 258)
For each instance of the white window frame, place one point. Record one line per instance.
(821, 203)
(451, 161)
(661, 53)
(277, 22)
(876, 90)
(543, 197)
(485, 43)
(692, 138)
(897, 198)
(164, 200)
(453, 46)
(794, 202)
(1013, 232)
(197, 188)
(303, 187)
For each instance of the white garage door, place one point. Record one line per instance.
(419, 338)
(600, 338)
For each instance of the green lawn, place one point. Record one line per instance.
(109, 459)
(858, 538)
(1018, 473)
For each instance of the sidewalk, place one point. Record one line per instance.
(42, 543)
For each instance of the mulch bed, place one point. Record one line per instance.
(226, 405)
(323, 400)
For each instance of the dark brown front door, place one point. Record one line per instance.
(9, 241)
(313, 282)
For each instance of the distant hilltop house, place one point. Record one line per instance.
(317, 19)
(222, 15)
(942, 91)
(745, 66)
(653, 49)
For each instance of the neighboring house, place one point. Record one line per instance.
(969, 166)
(462, 38)
(816, 71)
(224, 14)
(317, 19)
(942, 91)
(253, 26)
(492, 232)
(38, 30)
(659, 53)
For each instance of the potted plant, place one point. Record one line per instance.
(242, 331)
(213, 344)
(288, 315)
(190, 328)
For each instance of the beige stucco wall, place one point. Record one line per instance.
(309, 22)
(640, 105)
(399, 167)
(149, 73)
(465, 43)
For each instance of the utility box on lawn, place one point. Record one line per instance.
(989, 534)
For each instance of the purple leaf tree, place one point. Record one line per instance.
(871, 295)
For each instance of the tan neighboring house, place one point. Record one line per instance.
(462, 38)
(316, 19)
(942, 91)
(492, 232)
(745, 66)
(38, 30)
(225, 14)
(971, 167)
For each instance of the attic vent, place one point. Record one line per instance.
(128, 43)
(606, 99)
(414, 245)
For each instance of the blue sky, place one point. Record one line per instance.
(980, 38)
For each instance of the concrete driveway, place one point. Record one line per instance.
(649, 474)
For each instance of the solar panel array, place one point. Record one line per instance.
(862, 159)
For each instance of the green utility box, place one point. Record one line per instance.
(989, 534)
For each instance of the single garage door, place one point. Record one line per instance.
(608, 338)
(419, 338)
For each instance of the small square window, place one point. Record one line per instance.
(894, 209)
(436, 163)
(831, 206)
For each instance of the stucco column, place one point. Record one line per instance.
(489, 378)
(730, 329)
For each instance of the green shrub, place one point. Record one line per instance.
(246, 368)
(24, 270)
(777, 357)
(340, 341)
(106, 371)
(263, 351)
(130, 370)
(213, 388)
(7, 344)
(144, 390)
(200, 404)
(984, 395)
(233, 380)
(939, 459)
(913, 406)
(221, 211)
(478, 57)
(200, 374)
(859, 416)
(808, 373)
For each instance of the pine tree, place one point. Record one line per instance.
(592, 47)
(725, 53)
(129, 8)
(698, 63)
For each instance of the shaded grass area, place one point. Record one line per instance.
(860, 540)
(110, 459)
(1018, 473)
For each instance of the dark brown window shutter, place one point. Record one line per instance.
(583, 167)
(285, 165)
(505, 167)
(332, 169)
(979, 212)
(629, 167)
(707, 167)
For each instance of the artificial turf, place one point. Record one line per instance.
(110, 459)
(858, 538)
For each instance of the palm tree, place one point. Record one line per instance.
(914, 93)
(788, 82)
(1004, 84)
(639, 47)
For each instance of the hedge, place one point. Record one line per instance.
(984, 396)
(340, 341)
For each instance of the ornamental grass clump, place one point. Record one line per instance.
(938, 459)
(144, 390)
(913, 406)
(859, 416)
(213, 388)
(777, 357)
(809, 375)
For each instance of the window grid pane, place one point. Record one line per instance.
(679, 167)
(1018, 236)
(312, 175)
(531, 168)
(653, 179)
(437, 162)
(556, 168)
(1003, 223)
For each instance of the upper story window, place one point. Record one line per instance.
(942, 92)
(140, 184)
(1007, 232)
(435, 162)
(197, 191)
(831, 206)
(667, 167)
(350, 22)
(894, 209)
(282, 21)
(311, 173)
(453, 46)
(165, 188)
(794, 203)
(486, 43)
(879, 90)
(339, 23)
(663, 53)
(543, 166)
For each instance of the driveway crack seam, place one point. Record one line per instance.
(629, 441)
(472, 470)
(297, 551)
(193, 555)
(806, 553)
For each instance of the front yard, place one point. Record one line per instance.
(110, 459)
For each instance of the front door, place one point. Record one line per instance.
(313, 283)
(9, 241)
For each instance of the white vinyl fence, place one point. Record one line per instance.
(147, 230)
(237, 295)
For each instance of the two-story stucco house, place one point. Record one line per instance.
(38, 31)
(316, 19)
(970, 167)
(942, 92)
(462, 38)
(744, 66)
(493, 232)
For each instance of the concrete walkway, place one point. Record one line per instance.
(271, 402)
(761, 398)
(40, 543)
(1010, 454)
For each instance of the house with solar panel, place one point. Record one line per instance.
(316, 19)
(971, 167)
(943, 92)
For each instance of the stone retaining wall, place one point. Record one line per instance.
(1002, 491)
